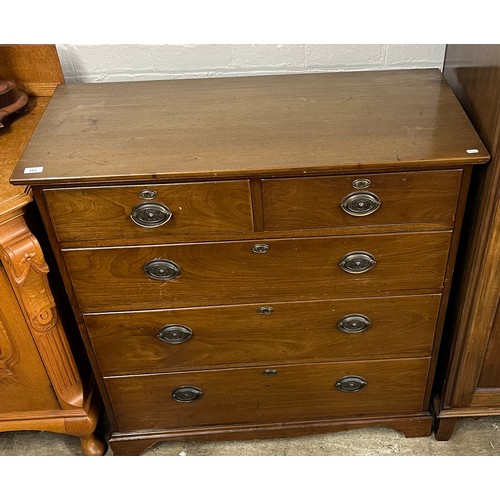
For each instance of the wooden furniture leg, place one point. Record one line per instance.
(444, 427)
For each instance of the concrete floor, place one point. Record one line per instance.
(472, 437)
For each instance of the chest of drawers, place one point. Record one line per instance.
(257, 257)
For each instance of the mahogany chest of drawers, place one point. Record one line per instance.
(261, 256)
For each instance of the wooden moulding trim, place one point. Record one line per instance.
(78, 422)
(268, 173)
(27, 271)
(415, 425)
(11, 208)
(463, 412)
(306, 426)
(43, 415)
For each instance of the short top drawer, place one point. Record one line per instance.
(375, 199)
(136, 213)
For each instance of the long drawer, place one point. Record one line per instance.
(348, 200)
(272, 394)
(256, 334)
(169, 276)
(135, 213)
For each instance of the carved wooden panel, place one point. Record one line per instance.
(27, 271)
(24, 385)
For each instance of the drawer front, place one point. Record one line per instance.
(400, 198)
(180, 339)
(268, 394)
(191, 209)
(111, 279)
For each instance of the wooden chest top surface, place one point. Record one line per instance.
(238, 127)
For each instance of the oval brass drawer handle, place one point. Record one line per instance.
(174, 334)
(354, 323)
(351, 383)
(187, 394)
(162, 270)
(357, 262)
(151, 214)
(360, 203)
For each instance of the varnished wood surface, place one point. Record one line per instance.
(223, 210)
(24, 385)
(485, 397)
(135, 443)
(474, 73)
(315, 202)
(79, 422)
(197, 208)
(490, 371)
(254, 132)
(27, 270)
(444, 427)
(238, 335)
(43, 389)
(269, 125)
(13, 140)
(230, 273)
(35, 68)
(247, 395)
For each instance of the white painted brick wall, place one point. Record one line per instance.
(107, 63)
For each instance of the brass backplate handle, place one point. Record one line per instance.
(360, 203)
(162, 270)
(354, 323)
(351, 383)
(187, 394)
(174, 334)
(151, 214)
(357, 262)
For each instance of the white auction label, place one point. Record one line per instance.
(33, 170)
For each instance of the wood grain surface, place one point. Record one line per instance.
(13, 140)
(35, 68)
(24, 385)
(197, 209)
(41, 387)
(284, 151)
(490, 371)
(406, 198)
(474, 74)
(127, 343)
(247, 395)
(269, 125)
(112, 279)
(415, 425)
